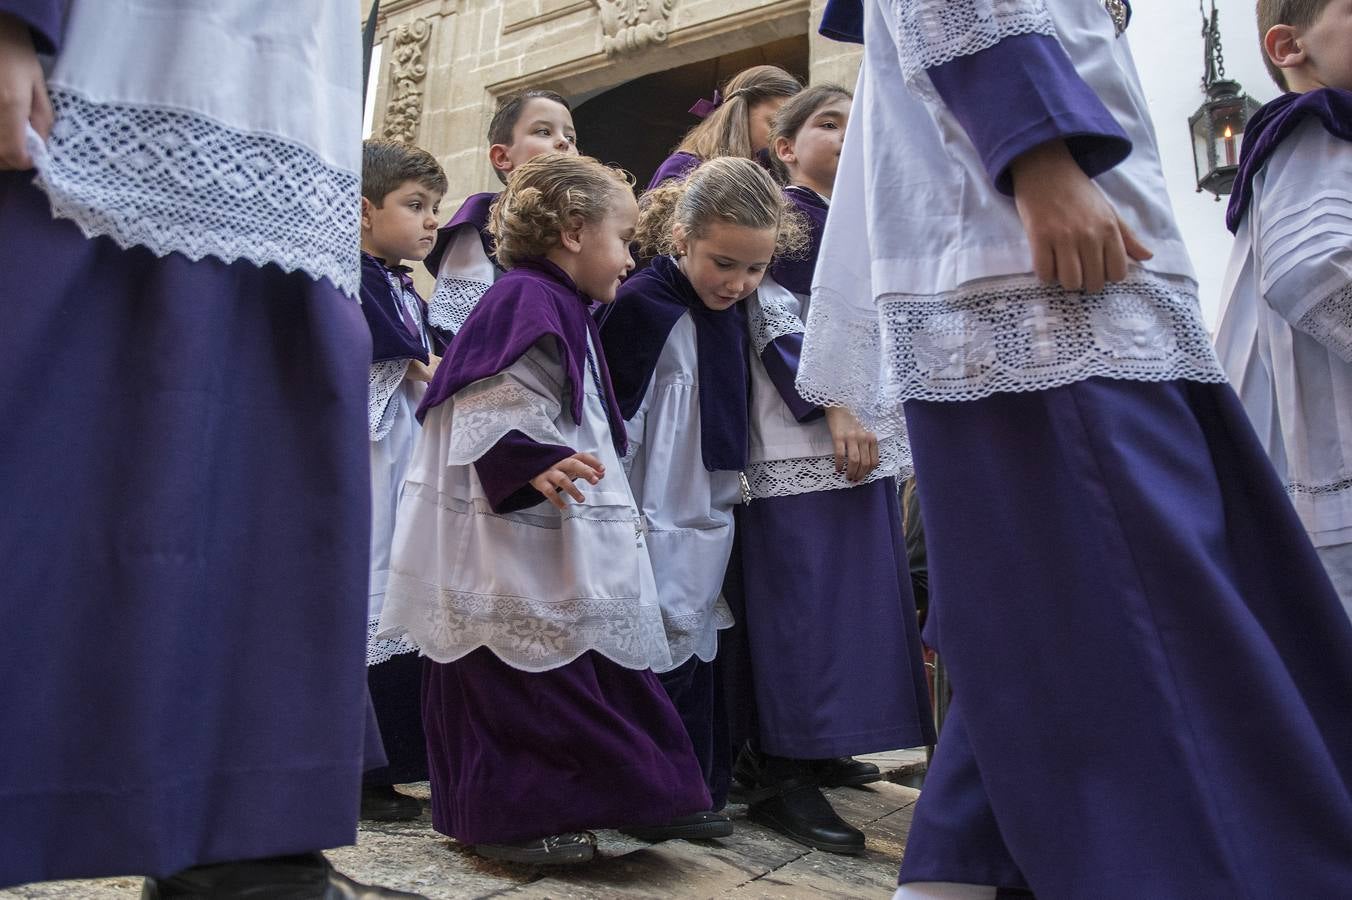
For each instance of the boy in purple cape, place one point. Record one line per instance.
(1286, 326)
(527, 125)
(401, 187)
(531, 596)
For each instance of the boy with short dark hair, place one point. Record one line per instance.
(1286, 327)
(527, 125)
(401, 189)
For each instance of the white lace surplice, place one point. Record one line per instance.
(199, 151)
(789, 457)
(687, 508)
(537, 587)
(1286, 325)
(923, 289)
(465, 273)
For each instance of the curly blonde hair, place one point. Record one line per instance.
(728, 189)
(548, 195)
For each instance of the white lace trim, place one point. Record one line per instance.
(1330, 322)
(933, 32)
(486, 410)
(808, 475)
(531, 635)
(453, 300)
(998, 335)
(174, 181)
(382, 384)
(772, 315)
(696, 634)
(1319, 490)
(379, 650)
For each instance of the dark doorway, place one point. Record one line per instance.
(637, 124)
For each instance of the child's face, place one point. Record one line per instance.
(603, 259)
(727, 263)
(1328, 46)
(404, 226)
(545, 126)
(813, 155)
(762, 116)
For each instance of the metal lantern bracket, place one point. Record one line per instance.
(1217, 128)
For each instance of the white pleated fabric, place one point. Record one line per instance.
(1286, 324)
(687, 509)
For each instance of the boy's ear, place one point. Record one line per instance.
(1282, 45)
(498, 159)
(366, 207)
(784, 150)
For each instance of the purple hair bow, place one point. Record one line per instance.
(705, 108)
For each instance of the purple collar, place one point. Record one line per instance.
(394, 334)
(795, 273)
(1271, 125)
(534, 300)
(474, 211)
(634, 330)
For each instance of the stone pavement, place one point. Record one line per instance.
(754, 864)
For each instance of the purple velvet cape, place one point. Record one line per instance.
(390, 337)
(474, 211)
(635, 328)
(1271, 125)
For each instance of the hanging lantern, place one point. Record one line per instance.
(1218, 125)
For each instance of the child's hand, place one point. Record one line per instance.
(419, 372)
(1075, 234)
(856, 446)
(23, 94)
(557, 481)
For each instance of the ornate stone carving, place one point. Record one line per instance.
(408, 68)
(630, 25)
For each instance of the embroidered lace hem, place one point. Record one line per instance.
(808, 475)
(530, 635)
(933, 32)
(379, 650)
(485, 411)
(1001, 335)
(453, 300)
(696, 634)
(383, 382)
(172, 181)
(1319, 490)
(1330, 322)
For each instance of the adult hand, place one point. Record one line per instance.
(1076, 236)
(856, 447)
(556, 482)
(23, 94)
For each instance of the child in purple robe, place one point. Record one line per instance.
(736, 122)
(675, 342)
(822, 545)
(401, 187)
(529, 124)
(532, 595)
(1285, 334)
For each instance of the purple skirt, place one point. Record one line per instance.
(1152, 674)
(830, 625)
(519, 755)
(184, 547)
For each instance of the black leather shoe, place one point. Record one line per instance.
(745, 774)
(556, 850)
(382, 803)
(844, 771)
(795, 808)
(307, 876)
(698, 827)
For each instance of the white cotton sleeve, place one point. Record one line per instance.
(525, 397)
(465, 274)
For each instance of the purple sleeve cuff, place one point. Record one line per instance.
(1024, 92)
(781, 357)
(506, 469)
(45, 20)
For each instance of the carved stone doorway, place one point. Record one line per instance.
(637, 124)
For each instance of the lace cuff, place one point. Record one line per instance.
(384, 381)
(1330, 322)
(453, 300)
(933, 32)
(484, 412)
(771, 314)
(808, 475)
(170, 180)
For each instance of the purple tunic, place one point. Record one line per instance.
(182, 672)
(678, 166)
